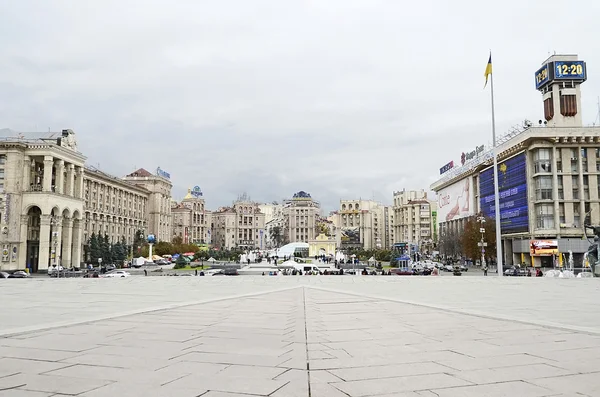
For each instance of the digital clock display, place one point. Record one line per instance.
(542, 76)
(569, 70)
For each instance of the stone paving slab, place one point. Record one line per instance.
(298, 336)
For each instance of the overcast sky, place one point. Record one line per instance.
(340, 98)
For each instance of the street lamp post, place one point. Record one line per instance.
(482, 244)
(99, 265)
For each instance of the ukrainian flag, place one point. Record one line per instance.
(488, 70)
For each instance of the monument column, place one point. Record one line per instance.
(47, 181)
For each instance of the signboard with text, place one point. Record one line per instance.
(512, 186)
(456, 201)
(447, 167)
(543, 247)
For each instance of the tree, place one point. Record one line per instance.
(180, 263)
(450, 243)
(105, 253)
(177, 240)
(95, 248)
(139, 242)
(471, 236)
(119, 251)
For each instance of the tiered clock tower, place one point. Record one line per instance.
(558, 80)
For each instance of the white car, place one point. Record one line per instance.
(117, 273)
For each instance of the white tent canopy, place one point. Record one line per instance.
(372, 260)
(211, 259)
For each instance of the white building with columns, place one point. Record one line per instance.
(41, 207)
(113, 207)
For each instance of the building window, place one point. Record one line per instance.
(543, 188)
(576, 215)
(559, 160)
(561, 194)
(541, 159)
(561, 212)
(575, 183)
(545, 216)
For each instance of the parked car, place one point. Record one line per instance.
(18, 274)
(515, 272)
(109, 268)
(117, 274)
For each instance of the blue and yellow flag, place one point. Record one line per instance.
(488, 70)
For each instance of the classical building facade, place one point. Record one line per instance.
(113, 207)
(42, 202)
(159, 201)
(274, 224)
(362, 224)
(413, 219)
(51, 203)
(191, 220)
(548, 176)
(300, 215)
(240, 226)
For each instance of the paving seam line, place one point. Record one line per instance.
(31, 329)
(546, 324)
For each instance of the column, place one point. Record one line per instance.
(77, 231)
(70, 180)
(47, 180)
(60, 176)
(22, 254)
(44, 253)
(56, 241)
(67, 242)
(26, 174)
(79, 183)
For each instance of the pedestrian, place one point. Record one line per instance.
(145, 272)
(485, 270)
(196, 272)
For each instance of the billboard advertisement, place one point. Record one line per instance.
(543, 247)
(350, 236)
(456, 201)
(512, 186)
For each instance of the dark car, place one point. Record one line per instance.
(230, 272)
(18, 274)
(515, 272)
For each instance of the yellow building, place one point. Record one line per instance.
(322, 245)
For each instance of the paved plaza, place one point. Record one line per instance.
(317, 336)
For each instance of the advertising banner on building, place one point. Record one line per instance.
(350, 236)
(512, 186)
(456, 201)
(543, 247)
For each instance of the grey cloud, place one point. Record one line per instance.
(338, 98)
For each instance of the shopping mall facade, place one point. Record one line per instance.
(548, 177)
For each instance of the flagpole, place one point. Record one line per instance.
(499, 258)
